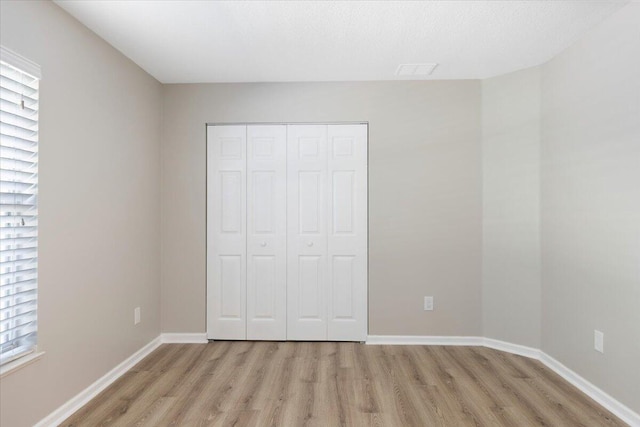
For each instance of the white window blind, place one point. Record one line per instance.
(18, 207)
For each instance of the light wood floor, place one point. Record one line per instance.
(333, 384)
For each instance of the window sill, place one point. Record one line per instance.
(20, 363)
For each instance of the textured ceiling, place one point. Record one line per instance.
(260, 41)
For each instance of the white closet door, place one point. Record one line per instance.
(347, 232)
(266, 232)
(307, 232)
(226, 234)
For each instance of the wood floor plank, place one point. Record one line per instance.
(155, 413)
(510, 383)
(553, 389)
(270, 384)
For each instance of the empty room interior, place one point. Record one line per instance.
(320, 213)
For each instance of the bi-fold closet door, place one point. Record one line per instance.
(287, 232)
(246, 232)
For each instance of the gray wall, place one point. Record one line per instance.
(511, 207)
(99, 202)
(424, 204)
(590, 199)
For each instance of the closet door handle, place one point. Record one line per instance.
(263, 244)
(309, 244)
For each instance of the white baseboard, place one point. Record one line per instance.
(618, 409)
(447, 340)
(79, 400)
(615, 407)
(184, 338)
(422, 340)
(521, 350)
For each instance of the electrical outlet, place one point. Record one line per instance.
(428, 303)
(598, 341)
(136, 315)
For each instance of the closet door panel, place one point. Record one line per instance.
(266, 232)
(226, 234)
(307, 232)
(287, 232)
(347, 232)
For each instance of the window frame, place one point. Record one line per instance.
(17, 357)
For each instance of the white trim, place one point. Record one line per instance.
(20, 62)
(184, 338)
(518, 349)
(72, 405)
(20, 363)
(620, 410)
(421, 340)
(82, 398)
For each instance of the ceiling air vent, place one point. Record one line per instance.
(415, 70)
